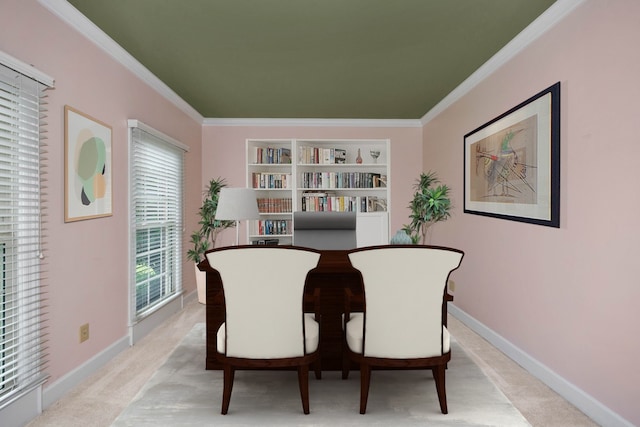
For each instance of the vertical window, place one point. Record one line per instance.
(156, 218)
(21, 338)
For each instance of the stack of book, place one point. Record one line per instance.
(321, 155)
(274, 226)
(326, 201)
(265, 242)
(271, 205)
(271, 180)
(329, 180)
(271, 155)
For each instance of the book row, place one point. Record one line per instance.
(265, 242)
(330, 202)
(269, 227)
(272, 155)
(321, 155)
(328, 180)
(271, 180)
(271, 205)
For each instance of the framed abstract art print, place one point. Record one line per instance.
(87, 167)
(512, 163)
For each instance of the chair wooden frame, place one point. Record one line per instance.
(437, 364)
(301, 363)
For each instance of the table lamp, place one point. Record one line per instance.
(236, 204)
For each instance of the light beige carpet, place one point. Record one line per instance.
(183, 393)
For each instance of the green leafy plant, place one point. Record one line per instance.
(430, 204)
(210, 227)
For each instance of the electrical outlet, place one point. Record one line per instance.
(452, 286)
(84, 332)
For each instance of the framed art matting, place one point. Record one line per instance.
(512, 163)
(87, 167)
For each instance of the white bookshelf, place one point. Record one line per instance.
(322, 175)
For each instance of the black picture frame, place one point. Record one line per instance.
(512, 163)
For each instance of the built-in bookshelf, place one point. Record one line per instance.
(270, 172)
(318, 175)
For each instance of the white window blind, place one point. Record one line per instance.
(156, 210)
(22, 345)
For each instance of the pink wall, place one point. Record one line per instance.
(568, 297)
(86, 275)
(223, 155)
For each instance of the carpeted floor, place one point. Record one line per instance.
(182, 393)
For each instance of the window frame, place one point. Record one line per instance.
(142, 321)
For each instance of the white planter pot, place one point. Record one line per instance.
(201, 283)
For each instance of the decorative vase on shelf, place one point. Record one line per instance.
(359, 158)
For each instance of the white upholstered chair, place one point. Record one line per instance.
(265, 326)
(403, 324)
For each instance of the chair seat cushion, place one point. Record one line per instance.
(355, 328)
(311, 332)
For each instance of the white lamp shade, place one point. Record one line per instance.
(237, 204)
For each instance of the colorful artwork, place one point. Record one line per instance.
(512, 163)
(506, 165)
(88, 168)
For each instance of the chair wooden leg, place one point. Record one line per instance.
(346, 362)
(317, 368)
(365, 380)
(439, 376)
(229, 373)
(303, 382)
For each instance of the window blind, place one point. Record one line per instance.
(22, 343)
(156, 218)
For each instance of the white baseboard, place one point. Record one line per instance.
(65, 384)
(17, 410)
(187, 298)
(583, 401)
(145, 325)
(56, 390)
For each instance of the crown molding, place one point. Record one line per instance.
(549, 18)
(369, 123)
(70, 15)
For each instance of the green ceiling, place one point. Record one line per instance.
(355, 59)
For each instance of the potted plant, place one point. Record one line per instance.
(210, 227)
(430, 204)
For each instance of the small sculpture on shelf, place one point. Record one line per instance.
(375, 154)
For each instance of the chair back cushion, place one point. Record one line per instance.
(404, 290)
(263, 291)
